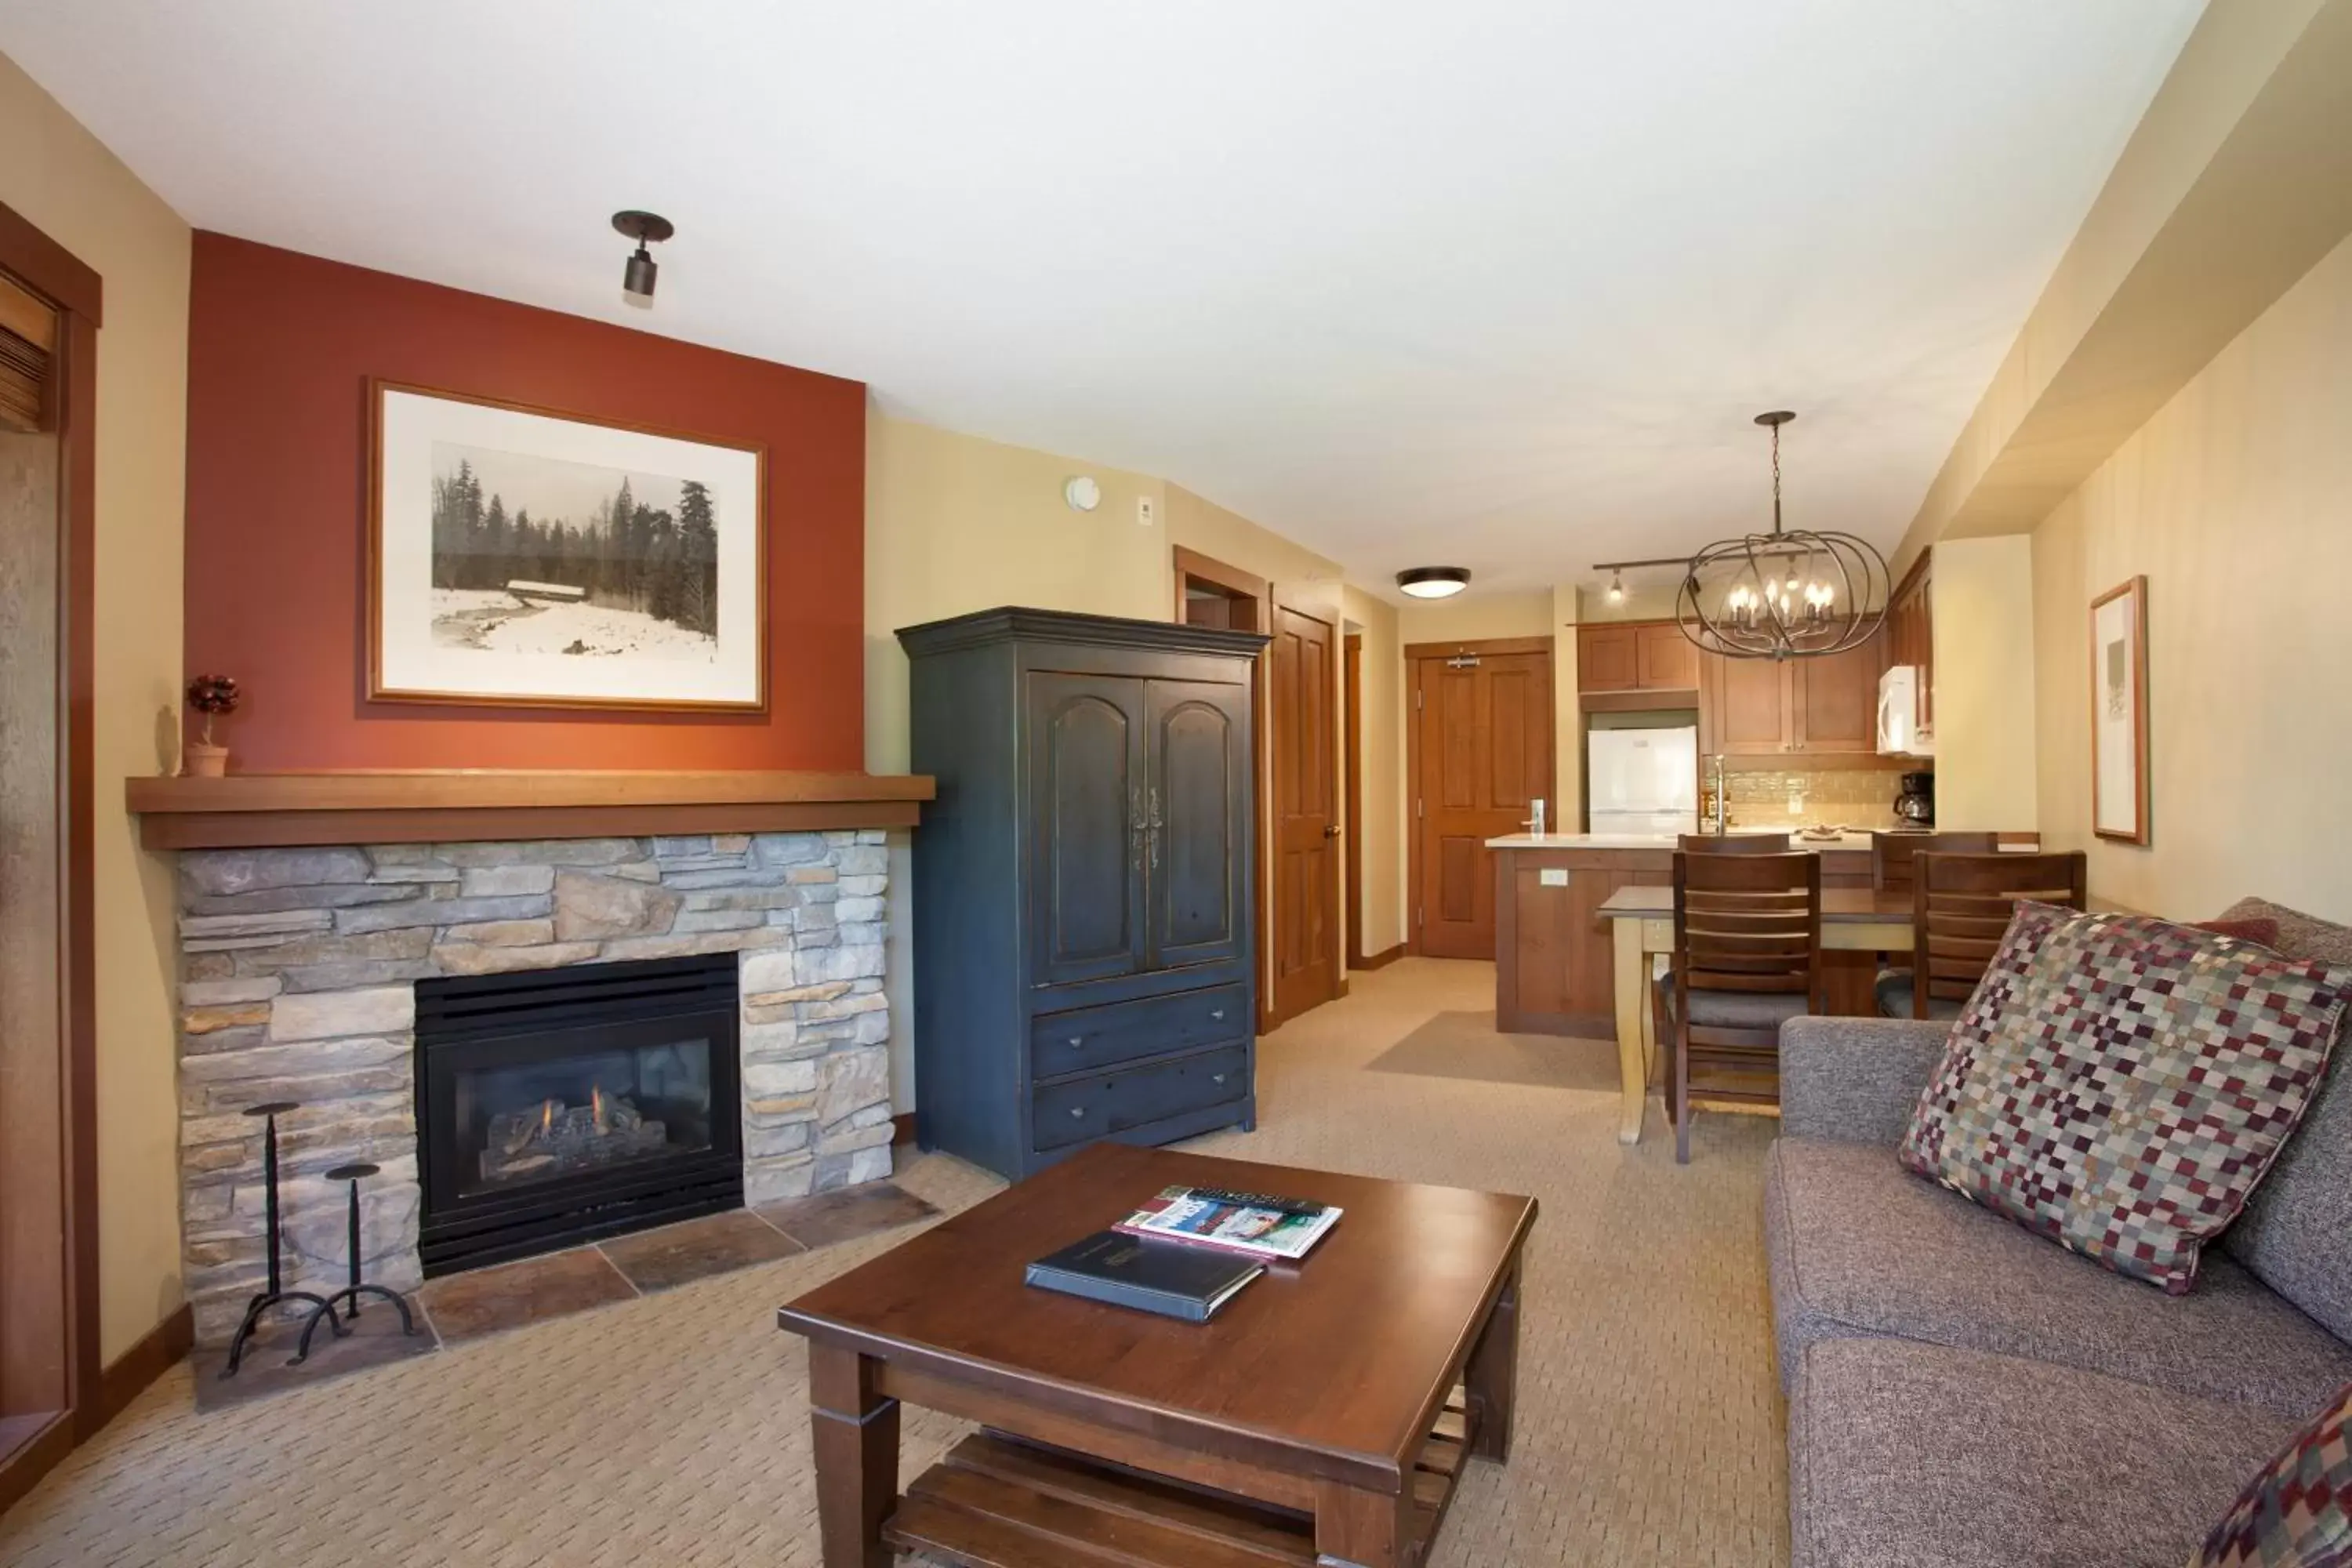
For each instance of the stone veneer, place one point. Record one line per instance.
(297, 971)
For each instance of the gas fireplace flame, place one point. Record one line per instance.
(546, 1115)
(597, 1101)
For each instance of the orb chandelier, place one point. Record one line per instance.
(1789, 593)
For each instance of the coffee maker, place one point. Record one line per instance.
(1916, 805)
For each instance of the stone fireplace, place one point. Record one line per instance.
(302, 970)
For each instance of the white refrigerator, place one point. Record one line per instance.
(1641, 781)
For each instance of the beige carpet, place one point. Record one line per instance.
(671, 1429)
(1466, 1044)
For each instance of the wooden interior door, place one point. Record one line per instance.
(1482, 757)
(1198, 822)
(1306, 938)
(1087, 826)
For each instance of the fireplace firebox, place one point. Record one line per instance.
(557, 1106)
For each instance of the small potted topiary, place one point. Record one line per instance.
(210, 695)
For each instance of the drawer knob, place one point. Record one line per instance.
(1076, 1040)
(1077, 1110)
(1216, 1011)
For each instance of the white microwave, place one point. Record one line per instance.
(1902, 698)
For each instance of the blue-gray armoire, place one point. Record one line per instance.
(1083, 887)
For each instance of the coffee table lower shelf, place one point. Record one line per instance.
(1001, 1501)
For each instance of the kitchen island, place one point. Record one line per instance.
(1555, 970)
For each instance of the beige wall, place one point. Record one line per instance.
(1469, 617)
(1382, 832)
(59, 177)
(1983, 616)
(2233, 501)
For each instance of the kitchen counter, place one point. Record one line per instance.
(1555, 964)
(1859, 841)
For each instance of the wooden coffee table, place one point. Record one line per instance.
(1321, 1417)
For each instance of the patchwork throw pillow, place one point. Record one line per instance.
(2120, 1084)
(2292, 1515)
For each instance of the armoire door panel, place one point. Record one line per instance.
(1198, 779)
(1086, 840)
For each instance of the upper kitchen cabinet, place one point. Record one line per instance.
(1634, 656)
(1761, 707)
(1911, 633)
(1836, 698)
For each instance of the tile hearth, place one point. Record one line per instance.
(299, 968)
(458, 1308)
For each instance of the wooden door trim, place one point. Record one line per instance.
(1325, 610)
(1351, 659)
(1416, 656)
(39, 262)
(1478, 645)
(1208, 569)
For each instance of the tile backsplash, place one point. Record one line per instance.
(1852, 797)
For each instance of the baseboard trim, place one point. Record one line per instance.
(1380, 960)
(127, 1376)
(902, 1128)
(22, 1467)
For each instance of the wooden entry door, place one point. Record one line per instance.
(1482, 745)
(1305, 733)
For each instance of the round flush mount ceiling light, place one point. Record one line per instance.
(1082, 493)
(637, 279)
(1434, 582)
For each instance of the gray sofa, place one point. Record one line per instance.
(1965, 1394)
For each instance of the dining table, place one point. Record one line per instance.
(1854, 920)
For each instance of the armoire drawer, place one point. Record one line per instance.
(1112, 1102)
(1090, 1038)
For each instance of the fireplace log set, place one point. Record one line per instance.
(553, 1138)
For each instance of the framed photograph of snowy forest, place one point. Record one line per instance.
(523, 556)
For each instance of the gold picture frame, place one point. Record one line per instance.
(2119, 749)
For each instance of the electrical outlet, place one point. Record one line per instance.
(1552, 877)
(1147, 511)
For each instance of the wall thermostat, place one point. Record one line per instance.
(1082, 493)
(1146, 512)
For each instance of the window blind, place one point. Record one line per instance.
(28, 338)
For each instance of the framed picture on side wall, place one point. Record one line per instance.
(2119, 713)
(526, 557)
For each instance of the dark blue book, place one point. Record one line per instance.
(1163, 1277)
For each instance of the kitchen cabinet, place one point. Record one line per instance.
(1083, 892)
(1911, 633)
(1826, 704)
(1664, 660)
(1635, 656)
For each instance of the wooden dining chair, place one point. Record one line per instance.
(1734, 842)
(1747, 956)
(1891, 854)
(1960, 906)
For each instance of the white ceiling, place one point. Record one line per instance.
(1497, 284)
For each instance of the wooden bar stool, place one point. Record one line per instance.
(1747, 957)
(1960, 906)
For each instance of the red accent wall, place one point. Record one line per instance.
(281, 349)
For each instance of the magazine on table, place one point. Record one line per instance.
(1250, 1223)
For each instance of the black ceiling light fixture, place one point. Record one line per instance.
(637, 279)
(1434, 582)
(1793, 593)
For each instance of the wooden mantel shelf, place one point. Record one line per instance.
(452, 806)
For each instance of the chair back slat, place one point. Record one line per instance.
(1733, 842)
(1961, 905)
(1891, 854)
(1746, 921)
